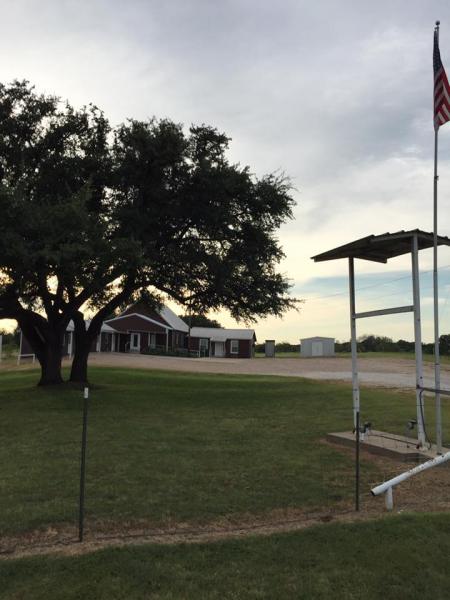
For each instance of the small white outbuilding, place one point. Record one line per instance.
(317, 346)
(269, 348)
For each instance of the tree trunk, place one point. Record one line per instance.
(79, 371)
(46, 341)
(83, 340)
(50, 361)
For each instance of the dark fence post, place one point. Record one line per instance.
(357, 463)
(83, 465)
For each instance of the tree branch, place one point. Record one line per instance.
(45, 294)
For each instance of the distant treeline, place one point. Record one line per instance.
(280, 347)
(10, 337)
(371, 343)
(374, 343)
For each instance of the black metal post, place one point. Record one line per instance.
(357, 463)
(83, 465)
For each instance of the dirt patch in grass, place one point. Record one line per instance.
(62, 539)
(427, 492)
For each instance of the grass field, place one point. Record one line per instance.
(167, 447)
(170, 447)
(400, 558)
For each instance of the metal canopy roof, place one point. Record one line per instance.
(380, 248)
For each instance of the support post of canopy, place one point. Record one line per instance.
(355, 383)
(380, 249)
(418, 341)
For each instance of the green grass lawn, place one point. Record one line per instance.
(396, 558)
(171, 447)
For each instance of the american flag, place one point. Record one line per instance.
(441, 87)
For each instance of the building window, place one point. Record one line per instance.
(234, 346)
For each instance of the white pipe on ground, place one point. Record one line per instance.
(387, 485)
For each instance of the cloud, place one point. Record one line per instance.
(336, 94)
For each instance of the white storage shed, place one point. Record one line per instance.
(269, 348)
(317, 346)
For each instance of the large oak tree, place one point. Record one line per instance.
(94, 217)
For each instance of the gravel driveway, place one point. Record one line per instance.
(386, 372)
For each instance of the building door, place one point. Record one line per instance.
(219, 349)
(67, 344)
(203, 346)
(106, 342)
(135, 342)
(317, 349)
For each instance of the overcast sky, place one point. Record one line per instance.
(338, 95)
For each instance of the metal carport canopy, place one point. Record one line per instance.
(380, 248)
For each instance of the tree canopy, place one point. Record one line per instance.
(200, 321)
(95, 216)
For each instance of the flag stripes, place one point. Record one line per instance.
(441, 87)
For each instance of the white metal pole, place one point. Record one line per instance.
(418, 341)
(355, 383)
(389, 499)
(20, 348)
(437, 365)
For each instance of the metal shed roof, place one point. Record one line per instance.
(316, 337)
(216, 334)
(380, 248)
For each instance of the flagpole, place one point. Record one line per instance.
(437, 366)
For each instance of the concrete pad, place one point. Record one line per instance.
(383, 443)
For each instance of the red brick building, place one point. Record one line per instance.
(141, 329)
(223, 343)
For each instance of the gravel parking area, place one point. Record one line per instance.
(398, 373)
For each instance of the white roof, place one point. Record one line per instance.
(171, 318)
(317, 337)
(216, 334)
(105, 328)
